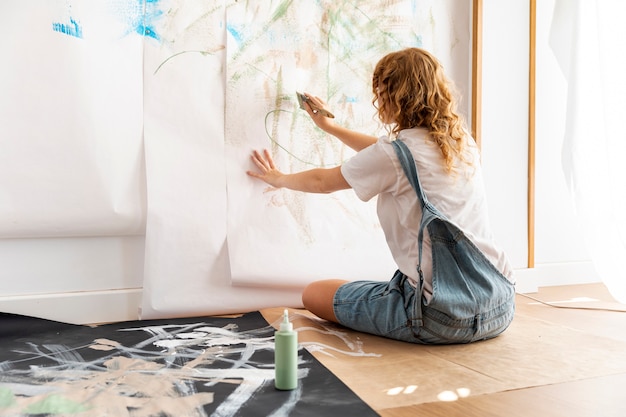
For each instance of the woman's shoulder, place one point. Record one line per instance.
(413, 133)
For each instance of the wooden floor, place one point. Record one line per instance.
(603, 396)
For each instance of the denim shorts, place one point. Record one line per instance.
(392, 309)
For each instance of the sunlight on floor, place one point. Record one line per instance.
(409, 389)
(571, 300)
(442, 396)
(454, 395)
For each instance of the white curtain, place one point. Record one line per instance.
(588, 38)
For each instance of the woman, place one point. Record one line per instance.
(414, 101)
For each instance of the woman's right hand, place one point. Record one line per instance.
(350, 138)
(312, 105)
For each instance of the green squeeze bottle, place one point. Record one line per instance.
(286, 355)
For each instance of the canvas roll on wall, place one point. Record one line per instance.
(137, 118)
(71, 112)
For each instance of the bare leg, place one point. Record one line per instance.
(318, 296)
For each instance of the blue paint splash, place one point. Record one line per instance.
(73, 28)
(140, 16)
(147, 26)
(236, 34)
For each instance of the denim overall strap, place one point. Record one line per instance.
(429, 212)
(471, 300)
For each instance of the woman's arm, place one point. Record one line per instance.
(355, 140)
(350, 138)
(318, 180)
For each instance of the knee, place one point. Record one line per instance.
(318, 298)
(310, 295)
(315, 293)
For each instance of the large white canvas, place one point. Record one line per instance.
(280, 237)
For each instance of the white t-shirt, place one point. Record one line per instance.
(460, 196)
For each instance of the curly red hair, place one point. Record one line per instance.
(411, 90)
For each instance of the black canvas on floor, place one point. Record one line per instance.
(204, 366)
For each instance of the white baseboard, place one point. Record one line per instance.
(88, 307)
(85, 307)
(554, 274)
(525, 281)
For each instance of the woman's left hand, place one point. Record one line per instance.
(267, 169)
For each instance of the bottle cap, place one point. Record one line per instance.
(286, 325)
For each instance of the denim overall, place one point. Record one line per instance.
(471, 299)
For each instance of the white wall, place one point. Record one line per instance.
(560, 254)
(73, 279)
(505, 126)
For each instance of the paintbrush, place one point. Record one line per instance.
(302, 98)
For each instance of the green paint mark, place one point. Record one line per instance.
(281, 10)
(56, 404)
(275, 143)
(204, 53)
(277, 103)
(7, 398)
